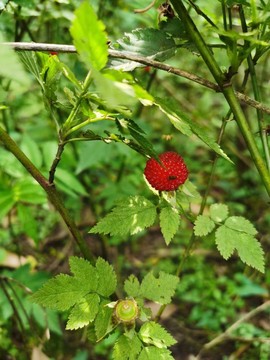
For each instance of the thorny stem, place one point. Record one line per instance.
(226, 89)
(23, 46)
(50, 189)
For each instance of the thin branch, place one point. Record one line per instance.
(24, 46)
(53, 195)
(220, 338)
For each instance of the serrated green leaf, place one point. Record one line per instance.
(83, 312)
(225, 240)
(132, 286)
(154, 353)
(169, 222)
(219, 212)
(159, 289)
(129, 216)
(107, 278)
(203, 225)
(153, 43)
(89, 37)
(103, 323)
(247, 246)
(187, 126)
(241, 224)
(127, 348)
(250, 251)
(154, 334)
(60, 293)
(84, 272)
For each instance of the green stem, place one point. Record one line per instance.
(76, 107)
(227, 90)
(257, 94)
(50, 189)
(86, 122)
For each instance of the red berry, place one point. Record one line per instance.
(167, 175)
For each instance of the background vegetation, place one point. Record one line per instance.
(39, 91)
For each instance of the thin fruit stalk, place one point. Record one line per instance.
(226, 89)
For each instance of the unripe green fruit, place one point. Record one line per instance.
(126, 311)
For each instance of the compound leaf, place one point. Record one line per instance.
(159, 289)
(169, 222)
(130, 216)
(203, 225)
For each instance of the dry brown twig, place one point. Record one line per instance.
(24, 46)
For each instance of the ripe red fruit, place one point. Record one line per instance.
(167, 175)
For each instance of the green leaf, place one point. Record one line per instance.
(107, 278)
(83, 312)
(6, 202)
(159, 289)
(248, 247)
(148, 42)
(89, 37)
(240, 224)
(120, 91)
(250, 251)
(154, 334)
(29, 191)
(103, 322)
(154, 353)
(136, 132)
(60, 293)
(169, 222)
(31, 150)
(219, 212)
(84, 272)
(129, 216)
(225, 240)
(69, 181)
(11, 67)
(187, 126)
(203, 225)
(132, 286)
(27, 221)
(127, 348)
